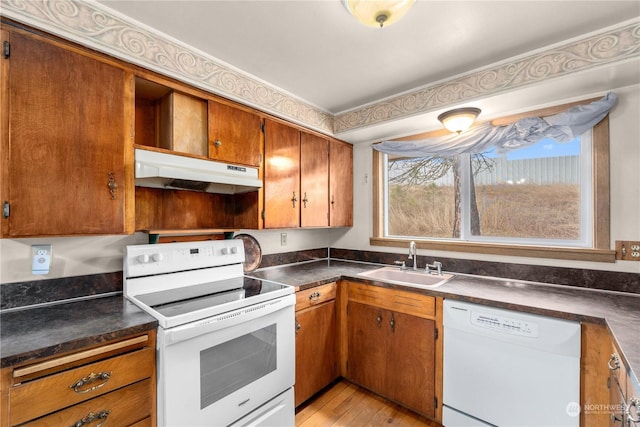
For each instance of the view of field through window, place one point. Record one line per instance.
(530, 193)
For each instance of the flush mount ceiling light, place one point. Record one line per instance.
(377, 13)
(460, 119)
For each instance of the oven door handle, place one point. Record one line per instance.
(226, 320)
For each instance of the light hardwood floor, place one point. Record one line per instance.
(347, 405)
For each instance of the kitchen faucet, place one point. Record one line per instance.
(437, 265)
(412, 253)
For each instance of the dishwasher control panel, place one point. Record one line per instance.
(504, 324)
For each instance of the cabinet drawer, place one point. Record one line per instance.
(45, 395)
(393, 299)
(124, 407)
(317, 295)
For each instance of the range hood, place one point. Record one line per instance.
(163, 170)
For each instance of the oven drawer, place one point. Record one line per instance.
(124, 407)
(392, 299)
(317, 295)
(38, 397)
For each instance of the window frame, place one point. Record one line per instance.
(601, 232)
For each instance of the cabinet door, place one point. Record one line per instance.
(411, 363)
(235, 135)
(281, 176)
(316, 361)
(66, 142)
(340, 184)
(314, 181)
(367, 347)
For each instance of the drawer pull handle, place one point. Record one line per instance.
(89, 379)
(314, 295)
(91, 417)
(614, 362)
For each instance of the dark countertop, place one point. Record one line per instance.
(619, 311)
(45, 331)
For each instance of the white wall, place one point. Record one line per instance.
(625, 193)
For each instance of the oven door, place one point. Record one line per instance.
(215, 371)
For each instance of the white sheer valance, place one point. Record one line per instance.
(562, 127)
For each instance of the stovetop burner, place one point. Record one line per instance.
(180, 301)
(180, 283)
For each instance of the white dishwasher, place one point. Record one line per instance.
(506, 368)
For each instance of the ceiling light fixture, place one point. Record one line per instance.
(460, 119)
(375, 13)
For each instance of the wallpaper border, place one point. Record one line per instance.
(94, 25)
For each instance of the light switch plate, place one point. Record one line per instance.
(41, 259)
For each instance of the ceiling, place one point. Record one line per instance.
(318, 52)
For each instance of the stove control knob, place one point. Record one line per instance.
(143, 259)
(157, 257)
(234, 250)
(225, 251)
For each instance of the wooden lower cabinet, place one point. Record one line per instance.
(114, 382)
(392, 349)
(607, 392)
(316, 352)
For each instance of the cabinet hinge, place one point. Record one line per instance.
(6, 49)
(6, 210)
(435, 402)
(435, 333)
(262, 215)
(262, 126)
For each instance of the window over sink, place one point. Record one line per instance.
(548, 199)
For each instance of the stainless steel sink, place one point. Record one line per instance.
(418, 279)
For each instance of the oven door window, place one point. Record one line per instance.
(231, 365)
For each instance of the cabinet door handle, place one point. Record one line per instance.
(635, 404)
(333, 202)
(298, 326)
(294, 199)
(392, 323)
(305, 200)
(91, 417)
(379, 319)
(217, 143)
(90, 379)
(614, 362)
(113, 186)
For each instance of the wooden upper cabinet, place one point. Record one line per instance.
(235, 135)
(68, 139)
(314, 181)
(340, 184)
(281, 176)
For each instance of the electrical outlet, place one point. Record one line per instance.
(41, 259)
(627, 250)
(283, 239)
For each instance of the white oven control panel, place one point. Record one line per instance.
(145, 260)
(504, 324)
